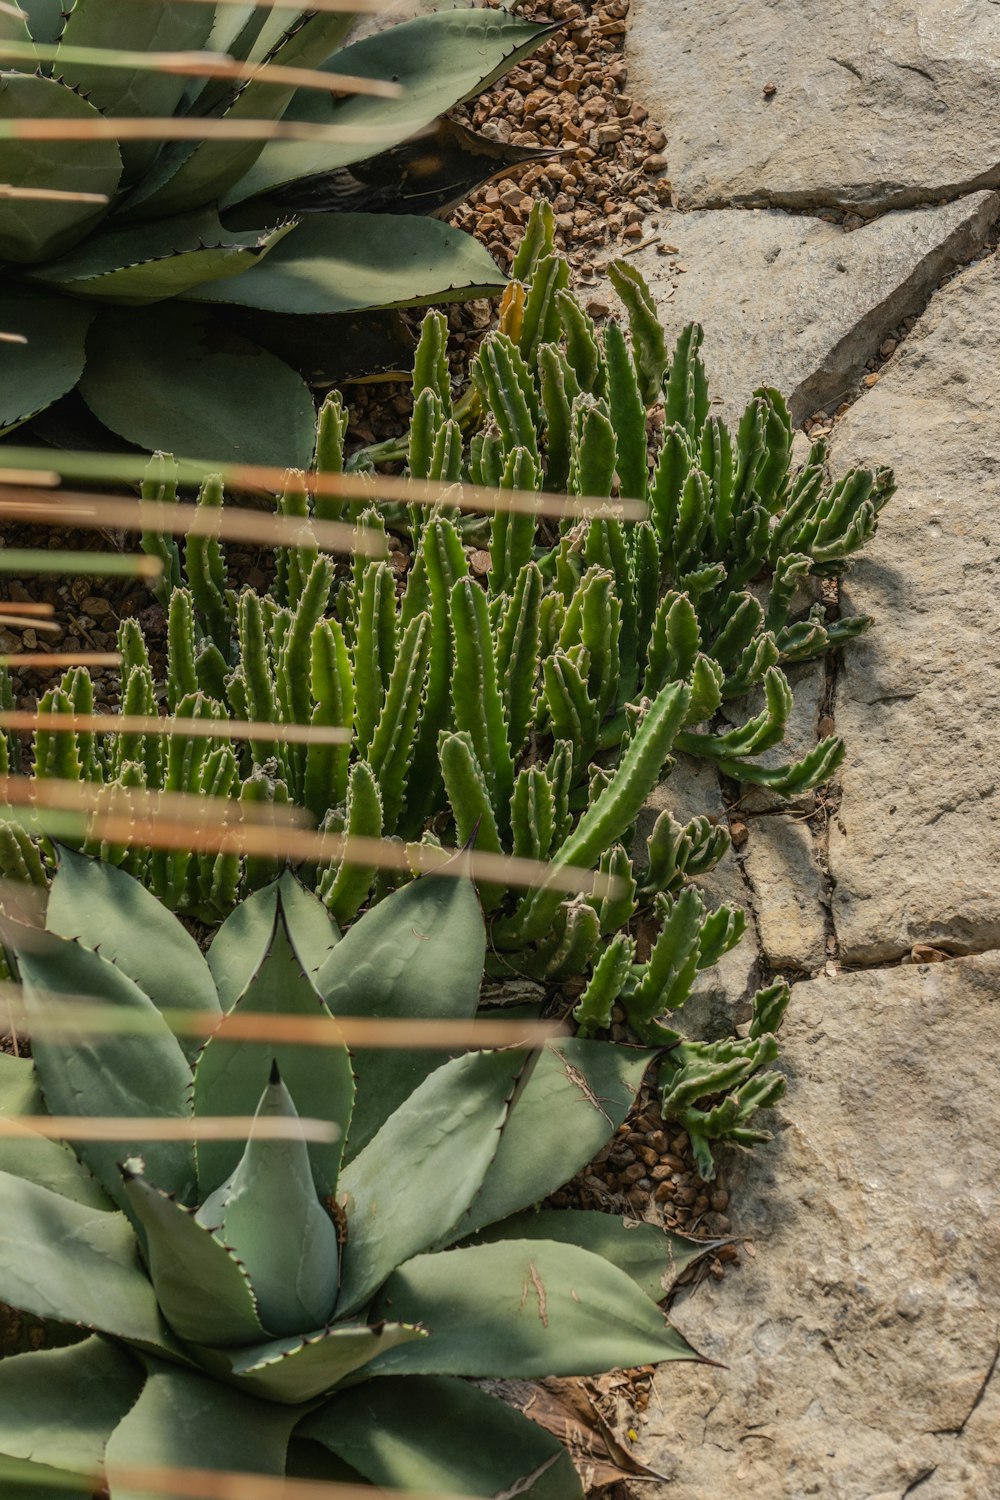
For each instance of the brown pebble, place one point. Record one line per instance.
(720, 1201)
(739, 833)
(480, 562)
(921, 953)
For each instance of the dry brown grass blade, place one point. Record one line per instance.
(21, 659)
(40, 477)
(187, 128)
(27, 622)
(12, 338)
(219, 1484)
(80, 1015)
(199, 729)
(89, 511)
(203, 65)
(17, 606)
(258, 477)
(306, 846)
(181, 808)
(51, 195)
(326, 7)
(166, 1128)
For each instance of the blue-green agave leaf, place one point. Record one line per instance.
(433, 1433)
(337, 263)
(231, 1076)
(187, 177)
(300, 1369)
(36, 373)
(437, 60)
(50, 1164)
(523, 1309)
(63, 1404)
(108, 910)
(45, 19)
(172, 379)
(269, 1215)
(75, 1264)
(417, 954)
(184, 1419)
(573, 1101)
(99, 1073)
(34, 230)
(423, 1168)
(238, 948)
(653, 1257)
(145, 263)
(203, 1291)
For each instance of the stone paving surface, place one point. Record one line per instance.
(865, 104)
(794, 302)
(861, 1338)
(915, 852)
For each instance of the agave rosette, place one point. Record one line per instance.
(287, 1305)
(156, 303)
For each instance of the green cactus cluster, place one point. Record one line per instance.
(535, 709)
(187, 288)
(315, 1298)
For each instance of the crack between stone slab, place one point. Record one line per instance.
(920, 1479)
(957, 1432)
(869, 201)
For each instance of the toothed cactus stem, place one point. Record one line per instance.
(205, 568)
(477, 700)
(518, 651)
(182, 676)
(628, 415)
(617, 807)
(345, 884)
(392, 742)
(430, 362)
(160, 486)
(593, 1011)
(471, 804)
(332, 683)
(649, 349)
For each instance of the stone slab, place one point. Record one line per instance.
(800, 304)
(789, 894)
(859, 1338)
(866, 105)
(915, 849)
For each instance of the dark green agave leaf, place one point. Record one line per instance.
(436, 1434)
(173, 379)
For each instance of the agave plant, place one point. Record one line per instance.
(300, 1305)
(155, 278)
